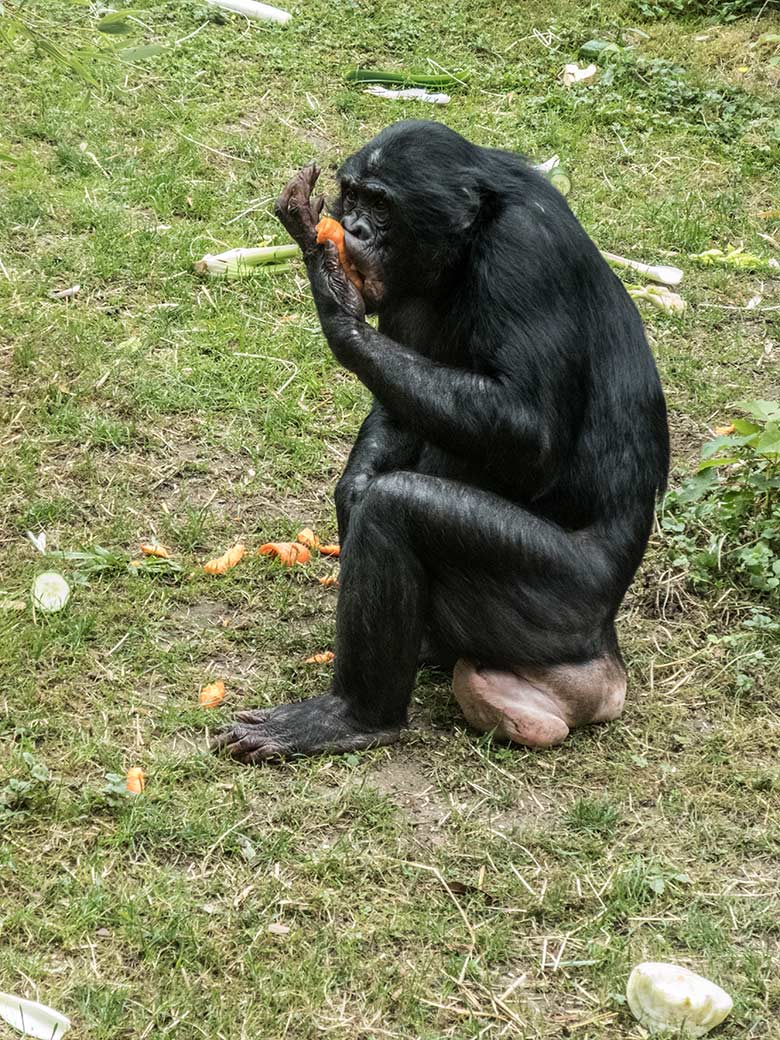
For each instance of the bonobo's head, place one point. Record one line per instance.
(408, 199)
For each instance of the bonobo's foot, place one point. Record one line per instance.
(320, 725)
(538, 706)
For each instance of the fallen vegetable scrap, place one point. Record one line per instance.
(155, 549)
(736, 257)
(725, 431)
(236, 262)
(33, 1019)
(572, 73)
(136, 781)
(330, 550)
(329, 230)
(226, 560)
(328, 581)
(50, 592)
(288, 553)
(667, 998)
(322, 658)
(660, 297)
(308, 538)
(408, 94)
(212, 695)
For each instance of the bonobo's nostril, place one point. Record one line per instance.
(357, 226)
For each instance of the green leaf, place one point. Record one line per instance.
(657, 884)
(745, 428)
(719, 460)
(696, 487)
(69, 60)
(769, 441)
(769, 37)
(766, 411)
(139, 53)
(109, 22)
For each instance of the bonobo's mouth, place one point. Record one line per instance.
(365, 261)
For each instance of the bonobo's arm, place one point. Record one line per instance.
(470, 414)
(381, 445)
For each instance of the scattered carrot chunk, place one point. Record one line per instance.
(155, 549)
(288, 553)
(226, 560)
(213, 695)
(136, 781)
(323, 658)
(329, 230)
(329, 581)
(330, 550)
(725, 431)
(308, 538)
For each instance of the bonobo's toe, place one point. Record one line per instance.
(321, 725)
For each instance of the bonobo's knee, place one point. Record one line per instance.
(383, 500)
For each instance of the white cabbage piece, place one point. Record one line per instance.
(50, 592)
(669, 998)
(33, 1019)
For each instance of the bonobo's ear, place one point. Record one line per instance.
(471, 198)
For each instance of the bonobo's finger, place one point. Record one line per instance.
(252, 716)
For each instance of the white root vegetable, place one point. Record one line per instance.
(669, 998)
(33, 1019)
(50, 592)
(655, 272)
(252, 9)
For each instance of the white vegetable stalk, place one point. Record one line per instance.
(668, 998)
(252, 9)
(655, 272)
(236, 262)
(659, 296)
(50, 592)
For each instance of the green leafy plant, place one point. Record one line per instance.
(719, 10)
(724, 522)
(19, 794)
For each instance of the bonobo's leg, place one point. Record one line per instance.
(496, 583)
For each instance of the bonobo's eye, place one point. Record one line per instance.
(381, 209)
(350, 198)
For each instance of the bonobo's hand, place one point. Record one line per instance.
(298, 211)
(335, 295)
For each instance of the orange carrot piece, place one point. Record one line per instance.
(328, 581)
(724, 431)
(155, 549)
(288, 553)
(136, 781)
(226, 560)
(330, 550)
(308, 537)
(323, 658)
(329, 230)
(213, 695)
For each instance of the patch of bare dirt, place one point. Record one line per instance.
(405, 781)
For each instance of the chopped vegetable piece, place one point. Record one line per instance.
(136, 781)
(725, 431)
(572, 74)
(50, 592)
(659, 296)
(308, 537)
(655, 272)
(323, 658)
(155, 549)
(288, 553)
(226, 560)
(253, 9)
(328, 581)
(212, 695)
(405, 79)
(409, 94)
(668, 998)
(33, 1019)
(330, 550)
(329, 230)
(236, 262)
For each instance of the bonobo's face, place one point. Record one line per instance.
(364, 208)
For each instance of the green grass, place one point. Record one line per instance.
(415, 885)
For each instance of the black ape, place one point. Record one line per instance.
(500, 494)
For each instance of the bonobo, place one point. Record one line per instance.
(500, 493)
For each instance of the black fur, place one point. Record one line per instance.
(501, 492)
